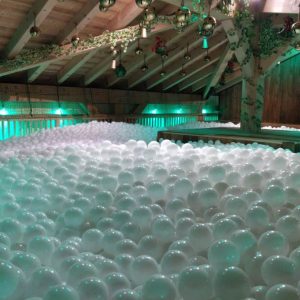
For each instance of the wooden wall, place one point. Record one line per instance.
(230, 103)
(282, 96)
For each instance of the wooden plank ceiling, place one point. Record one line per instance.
(60, 20)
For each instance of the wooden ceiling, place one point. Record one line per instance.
(59, 20)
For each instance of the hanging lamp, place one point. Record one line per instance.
(296, 25)
(187, 55)
(138, 50)
(120, 70)
(34, 30)
(182, 17)
(182, 72)
(209, 24)
(104, 5)
(144, 67)
(162, 71)
(207, 57)
(143, 3)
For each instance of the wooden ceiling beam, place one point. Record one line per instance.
(203, 73)
(200, 85)
(38, 12)
(34, 73)
(233, 80)
(79, 21)
(196, 54)
(155, 63)
(104, 65)
(226, 57)
(11, 91)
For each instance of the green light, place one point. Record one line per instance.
(205, 43)
(154, 111)
(204, 111)
(178, 111)
(3, 112)
(59, 111)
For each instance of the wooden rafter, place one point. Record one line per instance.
(200, 85)
(38, 12)
(233, 80)
(86, 14)
(200, 75)
(197, 54)
(227, 55)
(34, 73)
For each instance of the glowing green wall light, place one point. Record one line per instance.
(205, 43)
(59, 111)
(3, 112)
(154, 111)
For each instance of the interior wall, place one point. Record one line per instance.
(230, 103)
(282, 96)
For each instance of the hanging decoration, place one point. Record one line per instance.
(287, 29)
(120, 70)
(104, 5)
(148, 21)
(296, 25)
(162, 71)
(207, 58)
(138, 50)
(75, 40)
(206, 29)
(143, 3)
(160, 47)
(187, 55)
(182, 17)
(34, 30)
(144, 67)
(182, 72)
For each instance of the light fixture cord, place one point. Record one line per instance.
(57, 93)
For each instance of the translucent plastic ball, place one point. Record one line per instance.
(253, 268)
(236, 206)
(200, 237)
(142, 268)
(61, 292)
(62, 252)
(131, 231)
(79, 271)
(156, 191)
(282, 292)
(273, 243)
(278, 269)
(126, 294)
(163, 229)
(183, 246)
(142, 216)
(292, 195)
(104, 198)
(183, 226)
(120, 217)
(183, 187)
(74, 217)
(216, 173)
(257, 218)
(208, 198)
(42, 247)
(41, 280)
(126, 246)
(116, 282)
(92, 288)
(185, 213)
(159, 287)
(195, 283)
(124, 262)
(105, 224)
(274, 195)
(245, 241)
(151, 246)
(293, 180)
(10, 278)
(253, 180)
(223, 228)
(173, 262)
(259, 292)
(173, 206)
(4, 239)
(110, 239)
(4, 252)
(289, 226)
(223, 254)
(232, 284)
(106, 266)
(26, 262)
(92, 240)
(12, 228)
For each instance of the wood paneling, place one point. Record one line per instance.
(282, 96)
(230, 103)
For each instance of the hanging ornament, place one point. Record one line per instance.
(182, 73)
(75, 41)
(144, 67)
(104, 5)
(120, 70)
(149, 15)
(296, 25)
(207, 57)
(287, 29)
(34, 30)
(182, 17)
(187, 55)
(138, 50)
(162, 71)
(143, 3)
(160, 47)
(144, 33)
(209, 23)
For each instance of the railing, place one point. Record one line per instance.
(23, 125)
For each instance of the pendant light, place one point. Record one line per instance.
(34, 30)
(162, 71)
(182, 17)
(120, 70)
(296, 25)
(138, 50)
(144, 67)
(143, 3)
(187, 55)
